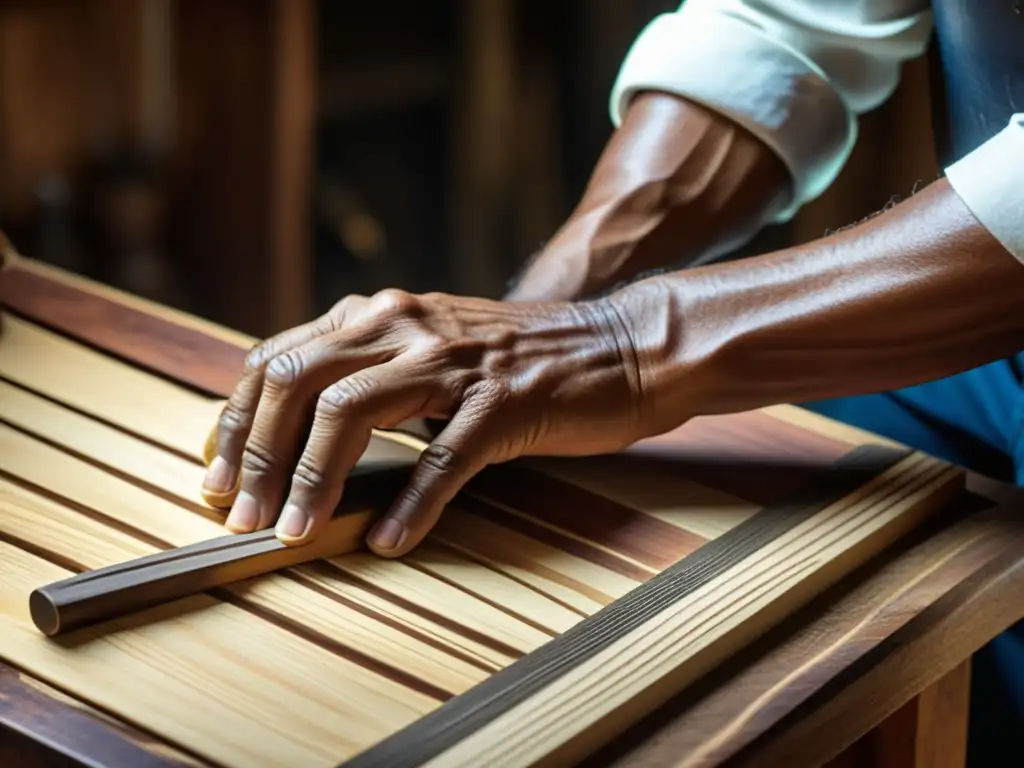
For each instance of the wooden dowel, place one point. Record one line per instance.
(117, 590)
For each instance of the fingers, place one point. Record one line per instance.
(235, 423)
(346, 412)
(292, 383)
(223, 476)
(462, 449)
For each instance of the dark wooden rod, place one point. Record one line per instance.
(117, 590)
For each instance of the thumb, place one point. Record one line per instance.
(458, 453)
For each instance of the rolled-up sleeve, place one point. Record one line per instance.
(795, 73)
(990, 181)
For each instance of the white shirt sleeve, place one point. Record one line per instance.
(990, 181)
(796, 73)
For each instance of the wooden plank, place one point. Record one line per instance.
(40, 726)
(929, 731)
(162, 524)
(623, 662)
(850, 658)
(212, 709)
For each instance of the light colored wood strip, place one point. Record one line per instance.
(585, 586)
(815, 422)
(645, 666)
(495, 587)
(262, 703)
(48, 526)
(401, 580)
(87, 437)
(110, 390)
(655, 489)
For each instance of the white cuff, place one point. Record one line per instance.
(726, 64)
(990, 181)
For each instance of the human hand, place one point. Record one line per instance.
(512, 379)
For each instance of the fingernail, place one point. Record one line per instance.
(388, 534)
(220, 477)
(293, 523)
(245, 514)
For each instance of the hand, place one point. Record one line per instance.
(511, 379)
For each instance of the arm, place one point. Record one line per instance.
(932, 287)
(730, 115)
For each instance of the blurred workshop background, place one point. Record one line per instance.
(252, 161)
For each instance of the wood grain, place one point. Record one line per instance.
(41, 727)
(493, 618)
(856, 654)
(593, 663)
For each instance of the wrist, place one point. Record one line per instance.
(673, 345)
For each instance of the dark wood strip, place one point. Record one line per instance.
(629, 532)
(187, 355)
(36, 725)
(581, 549)
(446, 726)
(752, 456)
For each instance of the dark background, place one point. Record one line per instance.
(252, 161)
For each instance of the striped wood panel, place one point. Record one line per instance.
(316, 664)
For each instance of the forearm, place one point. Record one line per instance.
(676, 185)
(917, 293)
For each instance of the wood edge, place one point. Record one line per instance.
(848, 631)
(815, 422)
(66, 731)
(461, 717)
(989, 601)
(167, 314)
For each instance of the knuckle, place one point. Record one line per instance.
(233, 419)
(256, 360)
(284, 370)
(344, 306)
(440, 460)
(257, 460)
(309, 475)
(344, 396)
(395, 301)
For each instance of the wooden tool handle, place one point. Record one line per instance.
(124, 588)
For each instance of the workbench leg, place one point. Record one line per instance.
(929, 731)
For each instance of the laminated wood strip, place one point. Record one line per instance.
(612, 665)
(210, 709)
(575, 582)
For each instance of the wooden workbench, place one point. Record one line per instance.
(875, 671)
